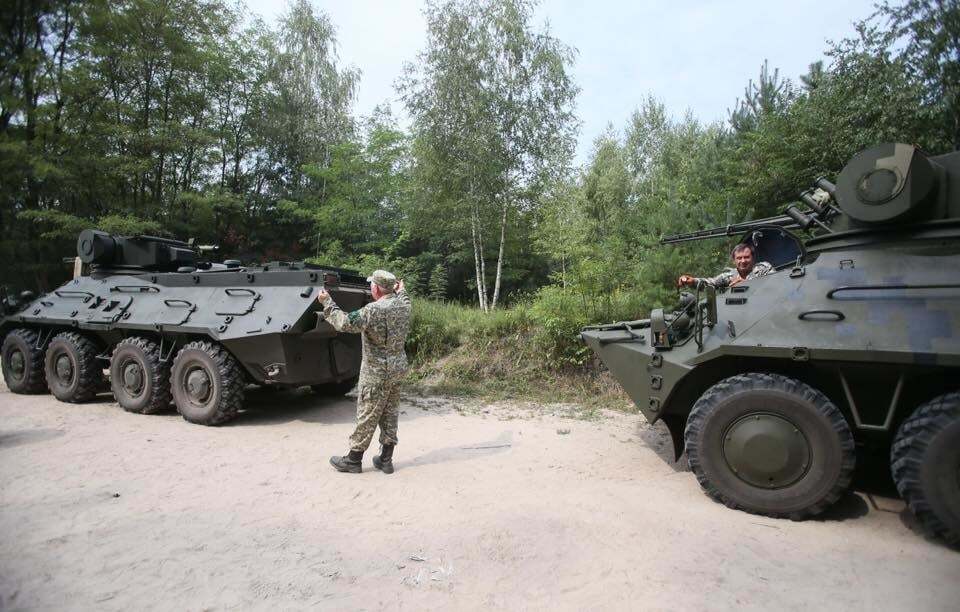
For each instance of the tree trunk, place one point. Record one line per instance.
(478, 257)
(503, 237)
(61, 53)
(161, 162)
(31, 98)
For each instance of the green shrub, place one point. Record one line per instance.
(531, 350)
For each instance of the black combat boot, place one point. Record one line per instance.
(384, 461)
(348, 463)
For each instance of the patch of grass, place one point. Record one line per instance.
(530, 351)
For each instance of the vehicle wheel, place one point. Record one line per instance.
(925, 461)
(23, 362)
(336, 388)
(770, 445)
(73, 372)
(138, 379)
(207, 383)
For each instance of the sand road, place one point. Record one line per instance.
(502, 506)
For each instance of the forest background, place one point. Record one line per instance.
(189, 119)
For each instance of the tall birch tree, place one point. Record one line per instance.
(492, 106)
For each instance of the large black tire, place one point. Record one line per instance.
(770, 445)
(925, 461)
(207, 383)
(23, 362)
(139, 379)
(73, 372)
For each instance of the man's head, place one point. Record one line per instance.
(743, 258)
(381, 283)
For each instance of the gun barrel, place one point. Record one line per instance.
(784, 221)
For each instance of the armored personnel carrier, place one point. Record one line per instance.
(171, 327)
(851, 345)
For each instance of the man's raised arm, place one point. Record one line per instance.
(353, 323)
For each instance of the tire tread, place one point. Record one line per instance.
(906, 459)
(231, 377)
(768, 381)
(159, 374)
(37, 381)
(89, 375)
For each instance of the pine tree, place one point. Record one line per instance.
(438, 282)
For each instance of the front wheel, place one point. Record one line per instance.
(925, 461)
(771, 445)
(207, 383)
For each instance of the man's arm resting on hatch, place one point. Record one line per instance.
(719, 281)
(353, 323)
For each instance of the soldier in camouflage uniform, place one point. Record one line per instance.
(383, 325)
(743, 256)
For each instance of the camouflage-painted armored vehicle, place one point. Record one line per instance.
(173, 328)
(851, 345)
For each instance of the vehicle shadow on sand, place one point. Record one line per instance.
(265, 406)
(11, 438)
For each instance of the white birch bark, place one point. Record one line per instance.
(478, 258)
(503, 236)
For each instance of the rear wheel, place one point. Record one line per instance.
(73, 372)
(138, 378)
(23, 362)
(207, 383)
(925, 461)
(771, 445)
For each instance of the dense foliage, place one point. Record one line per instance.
(185, 118)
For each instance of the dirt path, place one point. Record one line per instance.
(490, 507)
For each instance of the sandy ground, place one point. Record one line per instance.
(502, 506)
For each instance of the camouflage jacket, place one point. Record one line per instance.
(383, 326)
(724, 279)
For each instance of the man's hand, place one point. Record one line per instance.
(399, 285)
(322, 295)
(686, 281)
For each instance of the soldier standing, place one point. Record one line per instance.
(383, 325)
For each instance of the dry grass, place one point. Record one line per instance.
(510, 368)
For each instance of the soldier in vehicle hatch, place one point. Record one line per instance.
(383, 325)
(745, 268)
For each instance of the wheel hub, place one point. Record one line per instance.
(198, 385)
(17, 363)
(766, 450)
(64, 368)
(133, 378)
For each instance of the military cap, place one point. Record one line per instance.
(383, 279)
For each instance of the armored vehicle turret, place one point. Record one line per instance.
(775, 386)
(171, 327)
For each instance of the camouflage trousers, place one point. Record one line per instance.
(377, 404)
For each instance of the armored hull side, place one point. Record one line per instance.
(267, 320)
(877, 306)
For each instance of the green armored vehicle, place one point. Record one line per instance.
(850, 345)
(171, 327)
